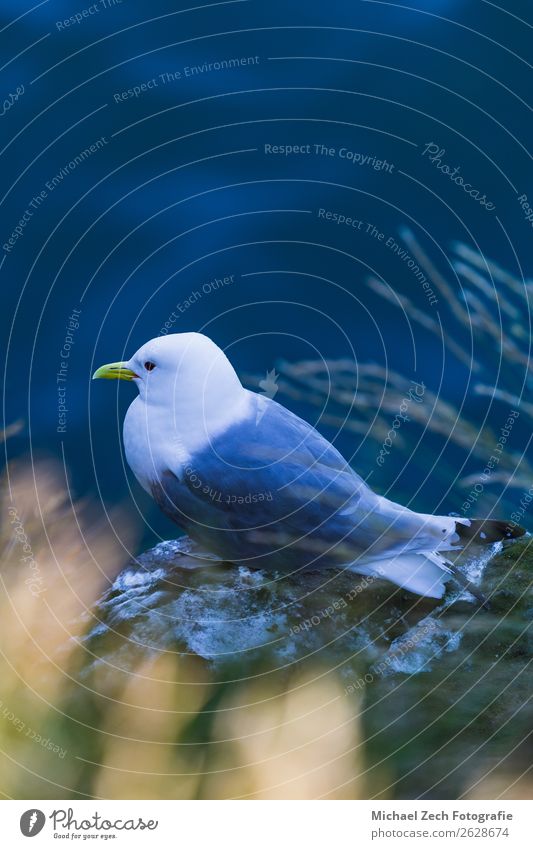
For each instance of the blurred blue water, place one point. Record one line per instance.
(180, 192)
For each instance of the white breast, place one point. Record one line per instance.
(162, 437)
(152, 444)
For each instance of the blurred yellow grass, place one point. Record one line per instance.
(135, 721)
(299, 739)
(284, 738)
(141, 757)
(55, 562)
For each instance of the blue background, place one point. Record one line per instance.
(182, 192)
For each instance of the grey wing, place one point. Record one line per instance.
(364, 521)
(270, 485)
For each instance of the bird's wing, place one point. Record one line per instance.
(275, 477)
(270, 472)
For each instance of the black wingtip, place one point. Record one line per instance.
(486, 531)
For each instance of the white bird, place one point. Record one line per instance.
(255, 484)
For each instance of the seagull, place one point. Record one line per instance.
(258, 486)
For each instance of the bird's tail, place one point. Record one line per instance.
(421, 573)
(487, 531)
(426, 572)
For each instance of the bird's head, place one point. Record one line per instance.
(185, 371)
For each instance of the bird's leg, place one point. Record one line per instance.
(469, 586)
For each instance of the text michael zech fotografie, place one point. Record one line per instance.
(416, 815)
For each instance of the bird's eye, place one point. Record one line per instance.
(149, 366)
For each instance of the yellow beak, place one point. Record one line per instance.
(115, 371)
